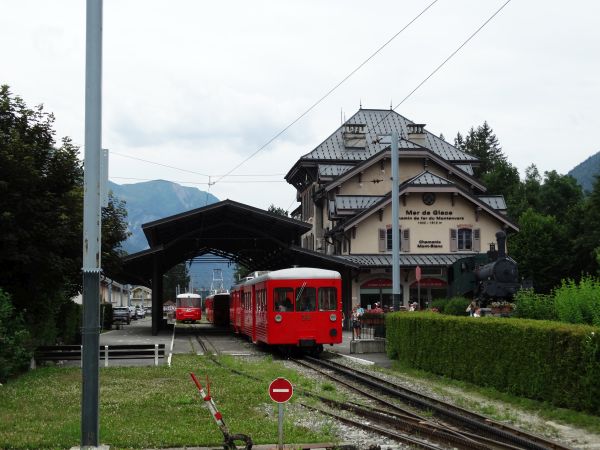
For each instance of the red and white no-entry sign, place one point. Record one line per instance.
(280, 390)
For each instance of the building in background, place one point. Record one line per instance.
(344, 187)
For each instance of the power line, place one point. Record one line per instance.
(440, 65)
(158, 164)
(327, 94)
(201, 183)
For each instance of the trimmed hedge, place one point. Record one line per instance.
(548, 361)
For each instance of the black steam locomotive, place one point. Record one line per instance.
(488, 277)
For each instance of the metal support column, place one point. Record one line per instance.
(396, 289)
(90, 391)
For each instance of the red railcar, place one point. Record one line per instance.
(188, 308)
(298, 307)
(216, 307)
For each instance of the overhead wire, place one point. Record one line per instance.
(220, 177)
(327, 94)
(229, 173)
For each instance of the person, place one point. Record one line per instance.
(472, 308)
(357, 312)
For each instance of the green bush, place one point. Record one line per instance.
(15, 344)
(534, 306)
(439, 304)
(457, 306)
(578, 302)
(548, 361)
(68, 323)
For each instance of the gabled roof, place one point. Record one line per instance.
(418, 152)
(381, 122)
(495, 201)
(333, 170)
(428, 179)
(440, 185)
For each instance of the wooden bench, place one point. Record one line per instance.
(107, 352)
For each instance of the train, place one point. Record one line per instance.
(488, 277)
(295, 308)
(188, 308)
(216, 307)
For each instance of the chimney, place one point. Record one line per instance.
(416, 133)
(354, 135)
(501, 238)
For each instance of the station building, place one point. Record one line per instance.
(344, 189)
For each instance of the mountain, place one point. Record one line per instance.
(586, 171)
(153, 200)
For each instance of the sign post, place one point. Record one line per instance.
(418, 277)
(280, 391)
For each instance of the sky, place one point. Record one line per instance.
(200, 86)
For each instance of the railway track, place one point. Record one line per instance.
(456, 426)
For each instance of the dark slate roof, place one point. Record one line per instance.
(381, 122)
(382, 260)
(427, 178)
(355, 201)
(495, 201)
(333, 170)
(468, 168)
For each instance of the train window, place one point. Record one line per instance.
(327, 299)
(306, 299)
(283, 299)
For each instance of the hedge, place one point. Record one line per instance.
(548, 361)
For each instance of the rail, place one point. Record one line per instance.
(107, 352)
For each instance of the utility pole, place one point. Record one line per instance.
(92, 218)
(396, 294)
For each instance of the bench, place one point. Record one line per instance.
(107, 352)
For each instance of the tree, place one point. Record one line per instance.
(178, 275)
(586, 248)
(482, 143)
(41, 216)
(114, 233)
(541, 250)
(276, 210)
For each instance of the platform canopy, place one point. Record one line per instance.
(256, 238)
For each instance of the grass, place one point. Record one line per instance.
(448, 388)
(153, 407)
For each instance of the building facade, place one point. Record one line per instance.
(344, 188)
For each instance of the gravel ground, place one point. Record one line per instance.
(567, 435)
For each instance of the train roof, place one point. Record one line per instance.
(189, 295)
(296, 273)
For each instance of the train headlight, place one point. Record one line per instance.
(278, 318)
(333, 317)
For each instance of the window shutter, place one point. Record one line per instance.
(382, 239)
(453, 243)
(405, 240)
(476, 239)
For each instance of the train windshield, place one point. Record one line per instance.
(327, 299)
(188, 302)
(283, 299)
(306, 299)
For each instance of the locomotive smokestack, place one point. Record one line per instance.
(501, 238)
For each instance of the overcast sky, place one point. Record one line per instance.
(202, 85)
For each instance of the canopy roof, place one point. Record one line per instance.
(253, 237)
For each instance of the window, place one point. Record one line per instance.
(386, 243)
(306, 299)
(465, 239)
(283, 299)
(327, 299)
